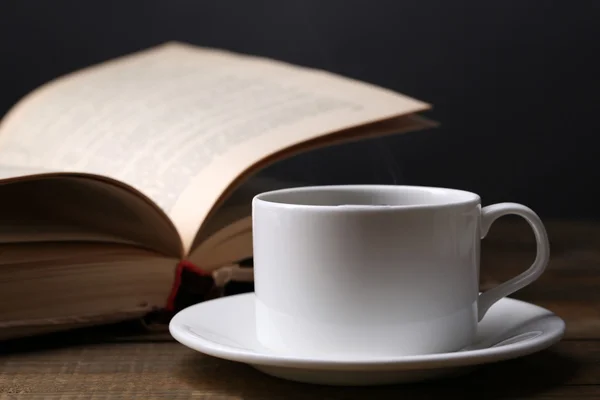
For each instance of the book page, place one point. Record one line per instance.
(14, 171)
(69, 208)
(181, 123)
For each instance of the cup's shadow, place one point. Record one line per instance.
(521, 377)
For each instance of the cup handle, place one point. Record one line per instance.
(488, 215)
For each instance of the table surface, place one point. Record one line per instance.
(115, 362)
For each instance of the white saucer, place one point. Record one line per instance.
(225, 328)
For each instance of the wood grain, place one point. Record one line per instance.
(153, 369)
(117, 362)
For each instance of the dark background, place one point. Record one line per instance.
(513, 83)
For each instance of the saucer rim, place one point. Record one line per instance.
(180, 332)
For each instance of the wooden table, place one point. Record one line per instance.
(110, 362)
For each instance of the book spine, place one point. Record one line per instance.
(193, 285)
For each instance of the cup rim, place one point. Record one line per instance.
(462, 198)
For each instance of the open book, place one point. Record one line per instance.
(113, 175)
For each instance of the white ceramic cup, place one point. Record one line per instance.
(375, 270)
